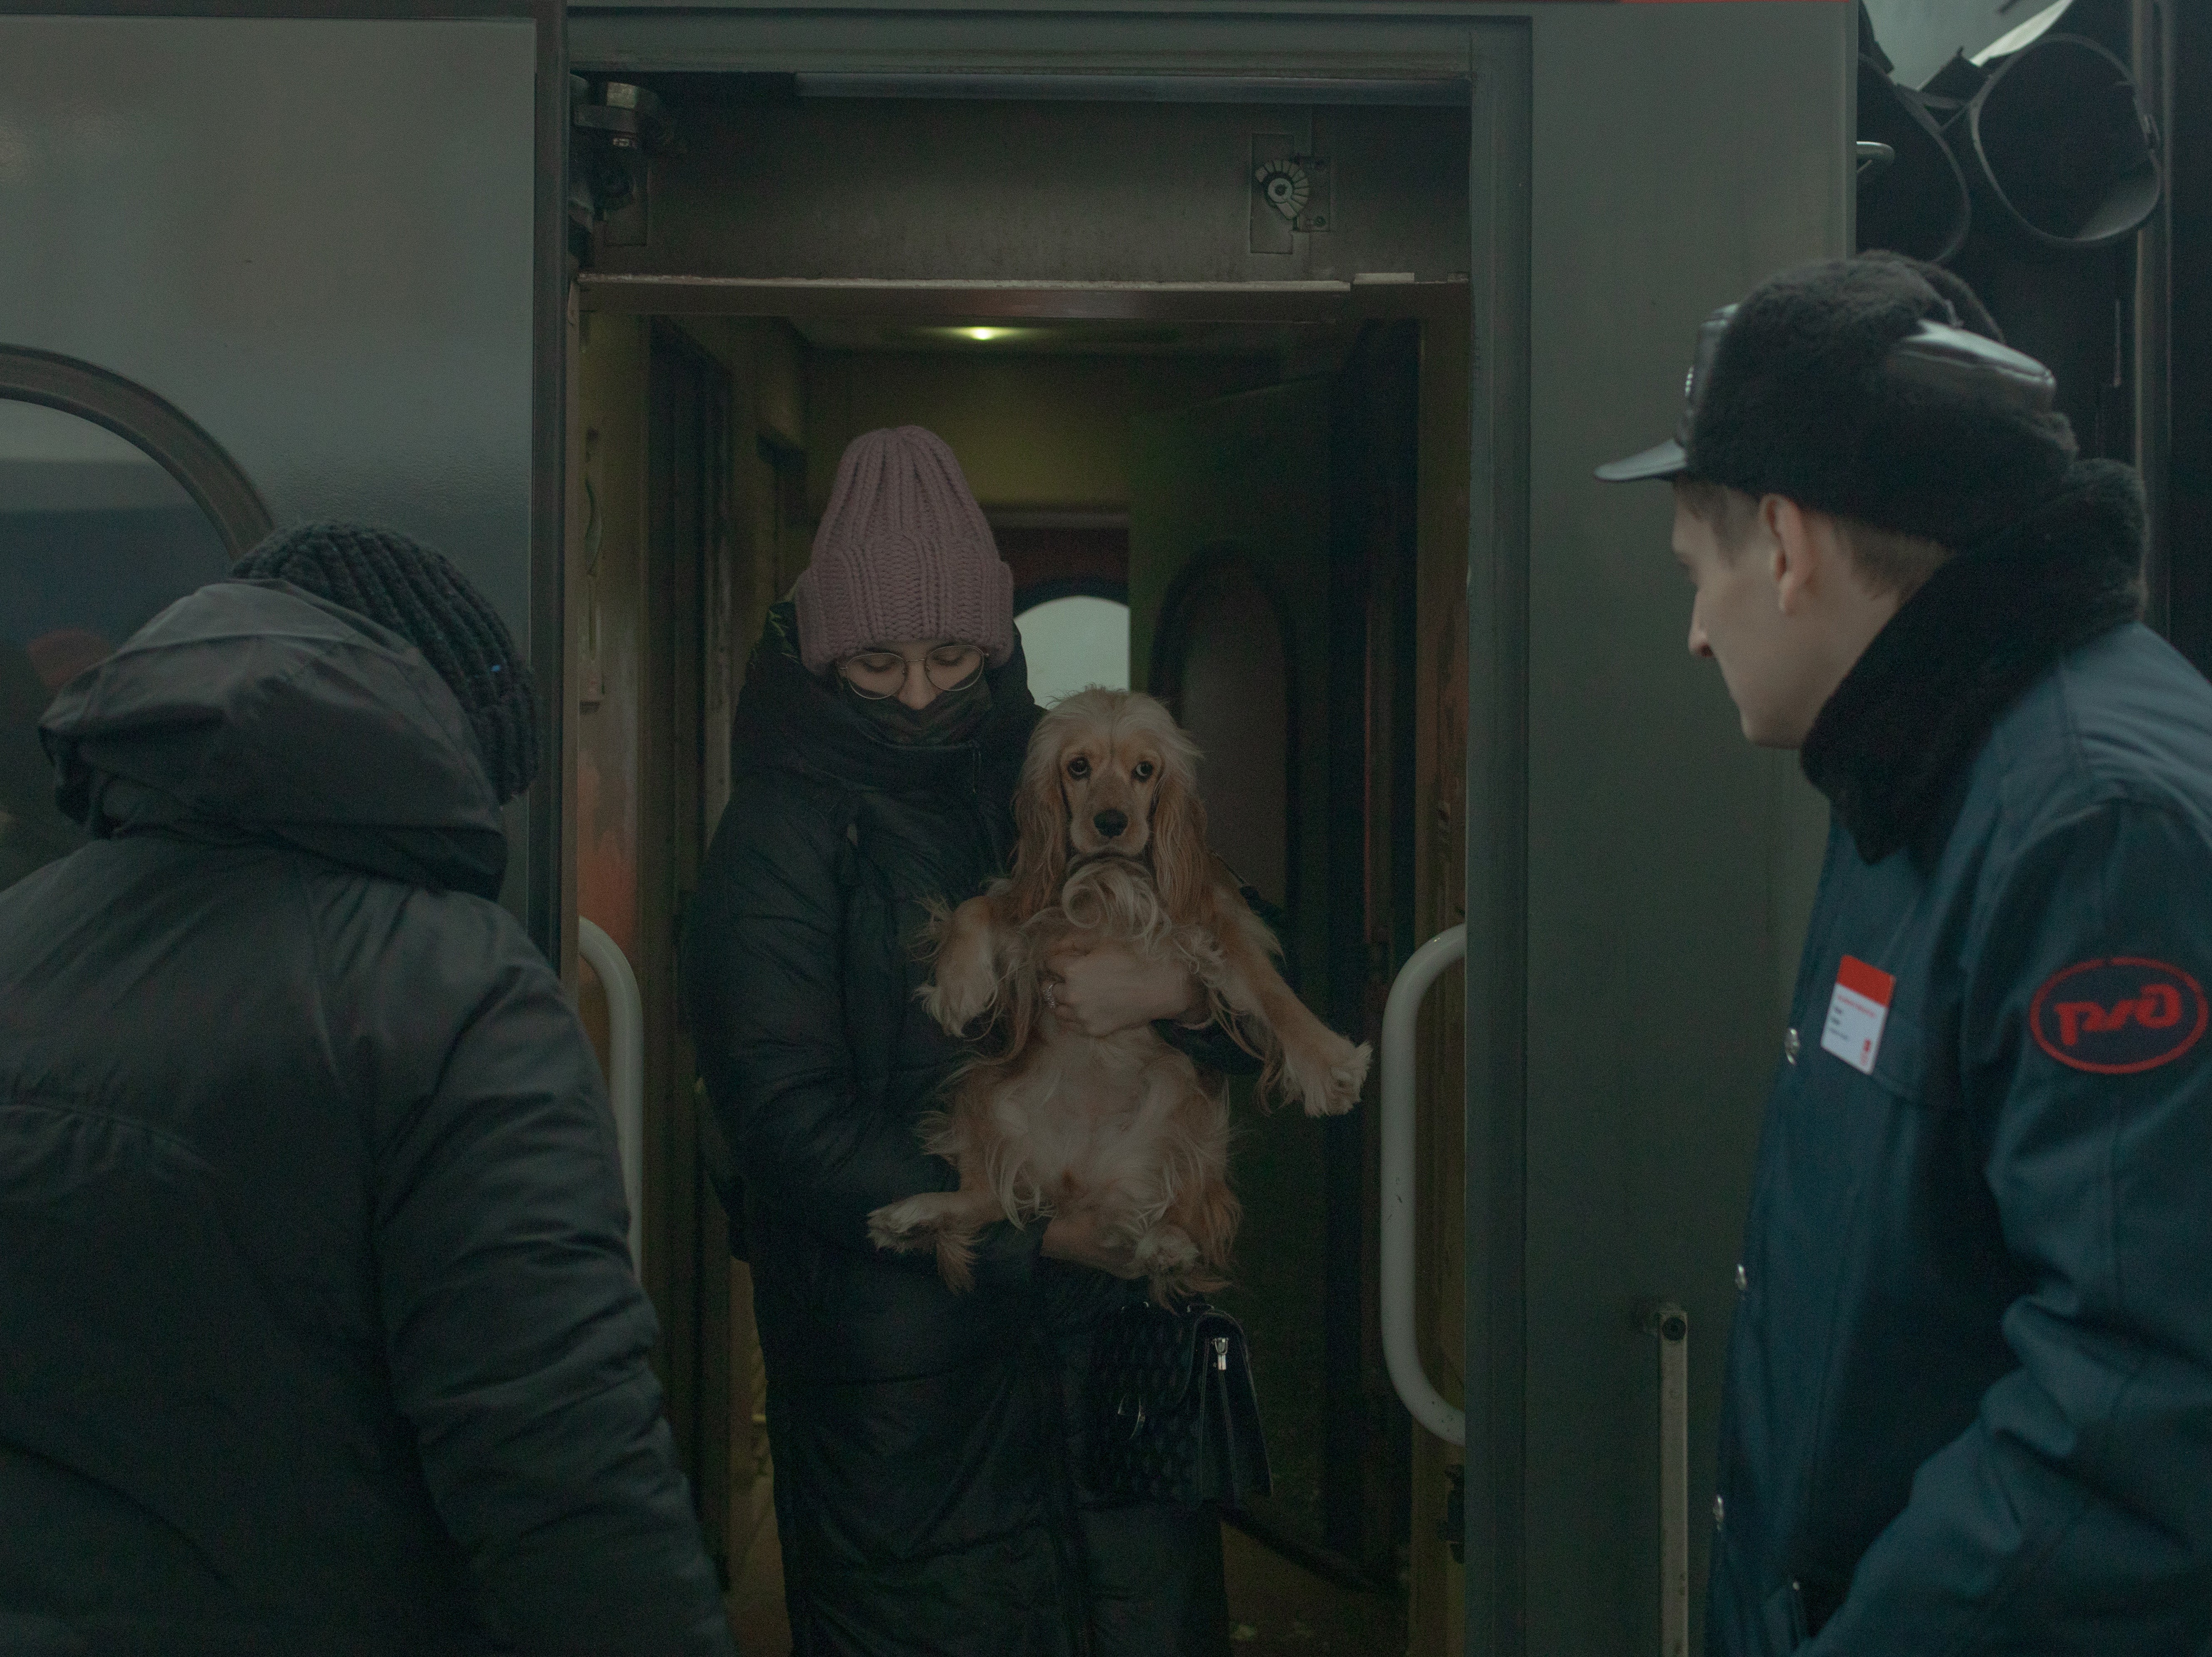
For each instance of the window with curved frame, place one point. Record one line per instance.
(1075, 635)
(114, 504)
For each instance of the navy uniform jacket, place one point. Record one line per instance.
(1969, 1393)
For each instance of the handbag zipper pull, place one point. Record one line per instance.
(1221, 1351)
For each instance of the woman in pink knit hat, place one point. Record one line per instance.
(927, 1477)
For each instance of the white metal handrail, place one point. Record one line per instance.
(1402, 1348)
(625, 1068)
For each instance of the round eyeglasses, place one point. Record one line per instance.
(880, 675)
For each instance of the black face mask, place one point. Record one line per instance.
(954, 717)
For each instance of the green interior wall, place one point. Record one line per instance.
(1031, 432)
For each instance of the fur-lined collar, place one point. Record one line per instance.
(1895, 738)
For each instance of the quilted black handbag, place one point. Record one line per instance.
(1173, 1414)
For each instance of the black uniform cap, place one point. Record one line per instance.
(1875, 388)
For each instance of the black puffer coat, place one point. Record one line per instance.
(317, 1330)
(916, 1431)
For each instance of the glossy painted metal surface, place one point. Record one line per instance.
(314, 237)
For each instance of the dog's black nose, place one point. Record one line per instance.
(1110, 823)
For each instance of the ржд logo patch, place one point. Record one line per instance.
(2120, 1016)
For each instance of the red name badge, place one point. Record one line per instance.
(1856, 1013)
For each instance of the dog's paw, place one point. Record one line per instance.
(1348, 1076)
(966, 964)
(934, 1002)
(956, 1002)
(1166, 1251)
(1176, 1266)
(965, 985)
(1327, 1083)
(904, 1226)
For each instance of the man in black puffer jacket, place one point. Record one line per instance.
(321, 1332)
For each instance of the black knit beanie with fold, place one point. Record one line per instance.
(400, 584)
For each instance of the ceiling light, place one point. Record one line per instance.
(982, 333)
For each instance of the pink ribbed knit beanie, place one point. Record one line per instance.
(903, 553)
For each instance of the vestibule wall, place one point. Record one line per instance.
(1033, 432)
(606, 593)
(628, 733)
(771, 528)
(764, 551)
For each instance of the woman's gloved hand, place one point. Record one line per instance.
(1108, 987)
(1076, 1236)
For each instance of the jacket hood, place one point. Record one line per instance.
(252, 711)
(1891, 747)
(789, 719)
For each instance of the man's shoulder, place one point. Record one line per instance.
(2123, 720)
(425, 958)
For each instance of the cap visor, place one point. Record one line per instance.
(1666, 460)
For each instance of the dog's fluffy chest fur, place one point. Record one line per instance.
(1089, 1110)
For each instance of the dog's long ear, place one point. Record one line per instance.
(1182, 865)
(1040, 825)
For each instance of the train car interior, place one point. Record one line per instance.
(1230, 482)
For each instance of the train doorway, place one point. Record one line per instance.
(1225, 512)
(1230, 493)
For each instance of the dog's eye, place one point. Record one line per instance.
(1145, 768)
(1078, 767)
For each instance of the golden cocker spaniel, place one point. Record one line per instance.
(1112, 846)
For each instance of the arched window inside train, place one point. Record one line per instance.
(97, 536)
(1073, 640)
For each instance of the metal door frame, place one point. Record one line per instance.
(1380, 42)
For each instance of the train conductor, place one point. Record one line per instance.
(1968, 1405)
